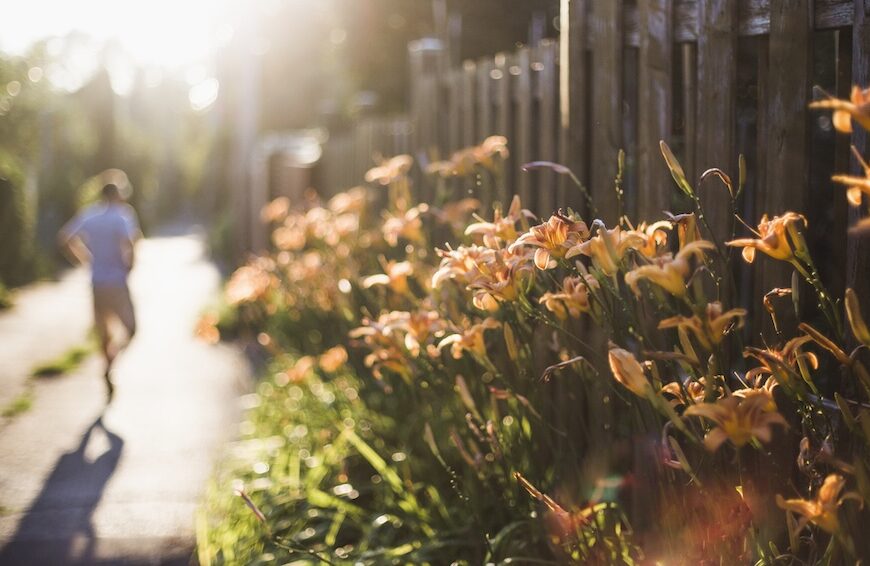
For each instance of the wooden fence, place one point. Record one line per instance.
(713, 78)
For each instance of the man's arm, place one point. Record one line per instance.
(132, 235)
(70, 243)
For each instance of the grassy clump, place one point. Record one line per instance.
(66, 362)
(332, 478)
(19, 405)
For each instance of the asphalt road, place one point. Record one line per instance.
(83, 482)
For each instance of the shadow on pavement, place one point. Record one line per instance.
(66, 504)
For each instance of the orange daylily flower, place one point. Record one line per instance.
(395, 276)
(459, 264)
(821, 511)
(250, 282)
(407, 225)
(628, 371)
(554, 238)
(778, 237)
(654, 237)
(572, 299)
(333, 359)
(352, 200)
(694, 391)
(781, 364)
(607, 248)
(714, 326)
(390, 170)
(276, 210)
(667, 271)
(738, 420)
(856, 108)
(502, 228)
(470, 339)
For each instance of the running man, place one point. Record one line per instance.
(104, 235)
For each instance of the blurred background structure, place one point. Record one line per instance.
(196, 100)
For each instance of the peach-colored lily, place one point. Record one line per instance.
(738, 420)
(821, 511)
(774, 237)
(856, 108)
(714, 326)
(669, 272)
(553, 239)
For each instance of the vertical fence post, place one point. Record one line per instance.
(858, 252)
(502, 99)
(606, 124)
(572, 98)
(544, 66)
(654, 105)
(717, 94)
(787, 119)
(469, 74)
(521, 71)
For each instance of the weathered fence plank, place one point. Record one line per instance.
(544, 66)
(484, 98)
(503, 122)
(606, 135)
(523, 139)
(454, 110)
(573, 146)
(469, 79)
(654, 105)
(717, 95)
(858, 251)
(753, 18)
(787, 119)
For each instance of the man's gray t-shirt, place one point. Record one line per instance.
(106, 229)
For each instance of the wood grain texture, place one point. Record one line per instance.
(453, 85)
(606, 75)
(858, 250)
(654, 105)
(484, 79)
(503, 116)
(573, 146)
(717, 95)
(787, 119)
(468, 136)
(753, 18)
(544, 68)
(521, 74)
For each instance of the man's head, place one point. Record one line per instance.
(111, 193)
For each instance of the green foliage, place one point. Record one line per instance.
(16, 225)
(19, 405)
(66, 362)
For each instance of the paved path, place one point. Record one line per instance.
(84, 483)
